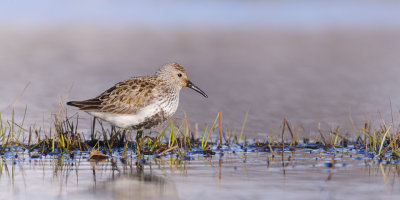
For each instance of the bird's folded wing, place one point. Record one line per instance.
(125, 97)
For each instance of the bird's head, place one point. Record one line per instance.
(175, 76)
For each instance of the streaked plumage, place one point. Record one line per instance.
(140, 102)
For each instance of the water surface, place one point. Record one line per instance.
(304, 174)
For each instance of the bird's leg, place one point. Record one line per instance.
(124, 140)
(139, 136)
(113, 131)
(92, 136)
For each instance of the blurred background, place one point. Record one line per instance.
(334, 62)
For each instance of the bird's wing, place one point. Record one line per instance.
(126, 97)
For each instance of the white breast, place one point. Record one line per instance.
(169, 106)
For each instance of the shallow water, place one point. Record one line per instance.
(304, 174)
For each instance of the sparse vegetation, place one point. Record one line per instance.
(178, 138)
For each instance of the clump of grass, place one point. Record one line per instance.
(380, 141)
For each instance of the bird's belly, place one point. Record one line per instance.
(120, 120)
(144, 119)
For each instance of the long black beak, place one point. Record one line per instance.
(195, 88)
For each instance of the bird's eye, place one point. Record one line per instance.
(179, 75)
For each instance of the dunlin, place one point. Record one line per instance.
(140, 102)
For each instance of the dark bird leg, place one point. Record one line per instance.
(139, 136)
(92, 136)
(113, 131)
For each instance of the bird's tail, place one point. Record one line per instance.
(73, 103)
(90, 104)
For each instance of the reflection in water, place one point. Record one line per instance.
(132, 182)
(311, 174)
